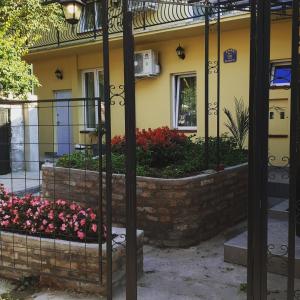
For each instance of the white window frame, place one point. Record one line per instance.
(97, 94)
(273, 66)
(175, 100)
(81, 28)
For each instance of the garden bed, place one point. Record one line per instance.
(63, 264)
(176, 212)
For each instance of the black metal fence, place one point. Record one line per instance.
(45, 229)
(258, 249)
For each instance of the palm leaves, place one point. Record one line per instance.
(238, 126)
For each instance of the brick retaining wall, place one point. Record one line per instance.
(63, 264)
(172, 212)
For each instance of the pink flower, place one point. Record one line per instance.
(61, 216)
(73, 206)
(94, 227)
(92, 216)
(5, 223)
(51, 215)
(82, 222)
(63, 227)
(44, 222)
(80, 235)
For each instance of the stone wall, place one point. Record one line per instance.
(63, 264)
(172, 212)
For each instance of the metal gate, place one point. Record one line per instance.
(258, 251)
(5, 136)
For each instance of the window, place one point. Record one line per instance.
(92, 88)
(91, 17)
(281, 74)
(271, 115)
(184, 94)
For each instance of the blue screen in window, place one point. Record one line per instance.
(282, 75)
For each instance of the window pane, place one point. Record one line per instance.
(282, 75)
(90, 102)
(101, 94)
(91, 14)
(98, 8)
(187, 102)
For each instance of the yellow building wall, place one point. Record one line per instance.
(154, 95)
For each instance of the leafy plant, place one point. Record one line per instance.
(163, 152)
(238, 126)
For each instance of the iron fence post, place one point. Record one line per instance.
(251, 204)
(107, 128)
(294, 150)
(259, 151)
(130, 136)
(206, 87)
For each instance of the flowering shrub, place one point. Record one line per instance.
(164, 152)
(36, 216)
(155, 147)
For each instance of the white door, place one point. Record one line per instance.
(64, 144)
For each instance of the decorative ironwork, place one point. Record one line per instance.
(146, 14)
(118, 240)
(278, 168)
(213, 108)
(213, 67)
(117, 94)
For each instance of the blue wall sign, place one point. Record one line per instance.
(230, 56)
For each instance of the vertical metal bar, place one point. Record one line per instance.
(251, 204)
(206, 87)
(294, 150)
(218, 83)
(130, 128)
(108, 188)
(58, 37)
(259, 150)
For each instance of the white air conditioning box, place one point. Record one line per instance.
(146, 63)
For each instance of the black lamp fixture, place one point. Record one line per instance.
(180, 52)
(72, 10)
(59, 74)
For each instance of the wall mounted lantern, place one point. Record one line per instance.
(59, 74)
(180, 52)
(72, 10)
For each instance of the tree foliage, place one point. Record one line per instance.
(22, 22)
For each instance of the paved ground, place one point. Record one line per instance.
(181, 274)
(19, 182)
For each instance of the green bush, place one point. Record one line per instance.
(171, 159)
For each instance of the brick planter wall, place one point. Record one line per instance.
(172, 212)
(76, 264)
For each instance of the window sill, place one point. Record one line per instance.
(278, 136)
(278, 87)
(88, 131)
(186, 130)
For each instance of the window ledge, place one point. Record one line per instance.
(85, 131)
(278, 136)
(184, 130)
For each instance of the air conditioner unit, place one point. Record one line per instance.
(146, 63)
(140, 6)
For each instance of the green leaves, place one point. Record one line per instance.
(22, 22)
(238, 126)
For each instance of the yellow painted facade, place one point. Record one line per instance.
(154, 95)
